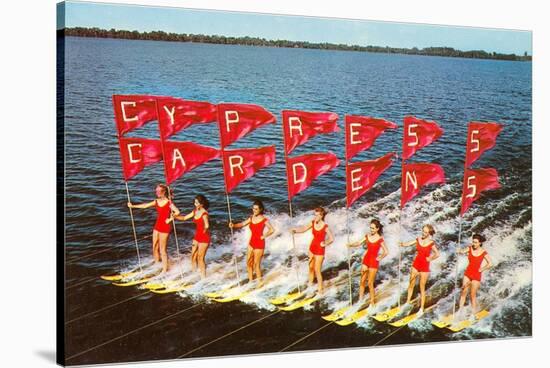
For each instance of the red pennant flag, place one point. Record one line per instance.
(362, 131)
(181, 157)
(241, 164)
(418, 134)
(475, 182)
(303, 170)
(300, 126)
(237, 120)
(416, 176)
(361, 176)
(136, 153)
(133, 111)
(176, 114)
(481, 137)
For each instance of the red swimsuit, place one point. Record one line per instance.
(318, 236)
(201, 233)
(421, 263)
(163, 214)
(472, 271)
(373, 249)
(257, 230)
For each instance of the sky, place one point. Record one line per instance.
(294, 28)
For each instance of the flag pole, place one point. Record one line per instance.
(347, 213)
(294, 250)
(133, 226)
(399, 239)
(456, 264)
(167, 185)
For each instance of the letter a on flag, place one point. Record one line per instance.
(481, 137)
(361, 176)
(418, 134)
(416, 176)
(237, 120)
(241, 164)
(182, 157)
(300, 126)
(303, 170)
(475, 182)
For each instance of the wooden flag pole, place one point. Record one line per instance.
(456, 265)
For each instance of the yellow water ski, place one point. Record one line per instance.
(468, 322)
(172, 289)
(134, 282)
(300, 303)
(228, 299)
(119, 276)
(405, 320)
(286, 298)
(353, 318)
(336, 315)
(161, 285)
(220, 293)
(444, 321)
(387, 314)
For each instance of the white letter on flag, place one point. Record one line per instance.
(411, 133)
(123, 104)
(473, 187)
(239, 161)
(303, 178)
(353, 133)
(130, 153)
(473, 140)
(412, 178)
(292, 127)
(229, 120)
(177, 156)
(354, 180)
(170, 113)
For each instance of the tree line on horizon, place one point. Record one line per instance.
(255, 41)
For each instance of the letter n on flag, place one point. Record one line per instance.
(133, 111)
(303, 170)
(361, 176)
(418, 134)
(136, 153)
(300, 126)
(416, 176)
(237, 120)
(362, 131)
(176, 114)
(182, 157)
(475, 182)
(241, 164)
(481, 137)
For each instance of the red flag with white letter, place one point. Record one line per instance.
(481, 137)
(303, 170)
(176, 114)
(362, 131)
(237, 120)
(133, 111)
(136, 153)
(181, 157)
(475, 182)
(241, 164)
(300, 126)
(416, 176)
(418, 134)
(361, 176)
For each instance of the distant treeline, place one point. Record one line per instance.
(254, 41)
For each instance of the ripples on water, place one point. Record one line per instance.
(450, 91)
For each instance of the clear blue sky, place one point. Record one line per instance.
(294, 28)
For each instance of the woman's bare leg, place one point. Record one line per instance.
(156, 249)
(258, 254)
(318, 274)
(311, 264)
(412, 282)
(250, 263)
(201, 255)
(423, 280)
(163, 243)
(371, 278)
(473, 296)
(363, 282)
(465, 287)
(194, 255)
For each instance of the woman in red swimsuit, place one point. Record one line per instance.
(373, 242)
(478, 262)
(161, 231)
(322, 237)
(257, 224)
(421, 264)
(201, 240)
